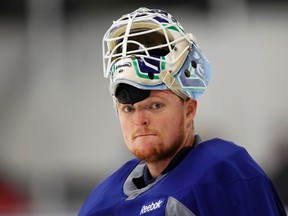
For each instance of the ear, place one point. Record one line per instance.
(191, 107)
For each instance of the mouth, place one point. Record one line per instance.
(144, 135)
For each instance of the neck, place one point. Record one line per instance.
(157, 167)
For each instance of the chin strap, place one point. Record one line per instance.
(169, 80)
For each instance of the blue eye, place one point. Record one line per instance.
(156, 105)
(128, 108)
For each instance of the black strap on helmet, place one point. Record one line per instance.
(127, 94)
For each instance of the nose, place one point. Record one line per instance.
(141, 118)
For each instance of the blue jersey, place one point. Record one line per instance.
(215, 178)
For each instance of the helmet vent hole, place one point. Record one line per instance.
(151, 75)
(187, 73)
(194, 64)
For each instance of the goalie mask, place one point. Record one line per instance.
(149, 50)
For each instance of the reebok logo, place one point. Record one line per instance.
(151, 206)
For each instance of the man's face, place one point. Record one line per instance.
(156, 128)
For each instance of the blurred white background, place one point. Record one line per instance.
(59, 135)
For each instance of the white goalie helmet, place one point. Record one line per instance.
(149, 49)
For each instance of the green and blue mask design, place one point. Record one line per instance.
(149, 49)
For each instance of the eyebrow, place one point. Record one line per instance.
(166, 92)
(158, 95)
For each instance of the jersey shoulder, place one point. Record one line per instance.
(109, 190)
(217, 158)
(220, 175)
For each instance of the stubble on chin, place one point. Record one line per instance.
(158, 153)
